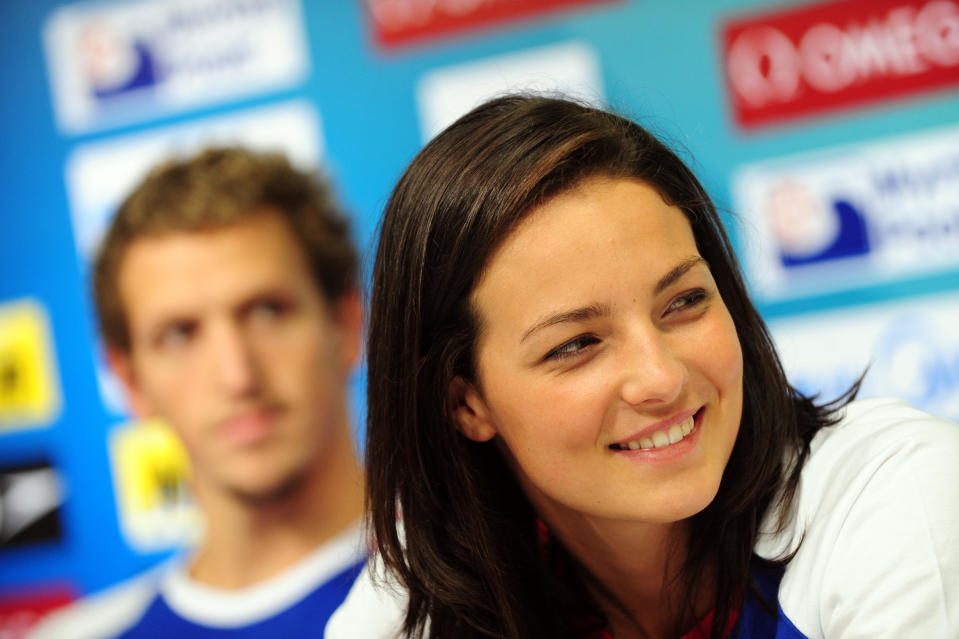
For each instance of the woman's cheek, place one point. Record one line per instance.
(725, 360)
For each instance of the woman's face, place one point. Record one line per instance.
(607, 362)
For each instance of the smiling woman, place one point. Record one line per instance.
(580, 420)
(570, 373)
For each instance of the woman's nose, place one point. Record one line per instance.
(655, 373)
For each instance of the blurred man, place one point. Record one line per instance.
(226, 291)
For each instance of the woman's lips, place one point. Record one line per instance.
(663, 435)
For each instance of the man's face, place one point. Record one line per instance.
(233, 343)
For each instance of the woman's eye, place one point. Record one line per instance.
(686, 300)
(571, 348)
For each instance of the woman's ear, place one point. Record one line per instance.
(469, 411)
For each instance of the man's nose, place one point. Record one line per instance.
(234, 360)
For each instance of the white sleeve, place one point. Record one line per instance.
(880, 553)
(372, 609)
(894, 571)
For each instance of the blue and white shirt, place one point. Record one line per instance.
(166, 602)
(877, 511)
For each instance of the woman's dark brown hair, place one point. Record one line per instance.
(472, 560)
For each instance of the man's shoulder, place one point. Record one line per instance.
(103, 614)
(167, 596)
(321, 579)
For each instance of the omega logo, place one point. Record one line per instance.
(767, 67)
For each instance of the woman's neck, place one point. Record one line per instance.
(635, 566)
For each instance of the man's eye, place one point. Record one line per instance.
(176, 335)
(571, 348)
(268, 310)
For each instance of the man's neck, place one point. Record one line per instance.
(248, 541)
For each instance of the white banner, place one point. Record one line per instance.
(870, 213)
(569, 68)
(112, 63)
(910, 346)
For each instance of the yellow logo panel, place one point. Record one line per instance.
(29, 390)
(151, 474)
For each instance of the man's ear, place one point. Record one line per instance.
(348, 314)
(469, 411)
(121, 363)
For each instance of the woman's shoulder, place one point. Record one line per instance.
(875, 444)
(881, 449)
(374, 608)
(876, 524)
(888, 422)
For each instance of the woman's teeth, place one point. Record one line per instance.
(659, 439)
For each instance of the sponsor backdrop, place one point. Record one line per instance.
(827, 131)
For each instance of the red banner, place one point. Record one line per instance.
(834, 55)
(20, 611)
(399, 22)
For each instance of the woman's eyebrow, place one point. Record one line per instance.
(599, 310)
(575, 315)
(677, 272)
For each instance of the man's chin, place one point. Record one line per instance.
(268, 490)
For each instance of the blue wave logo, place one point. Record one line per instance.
(115, 63)
(809, 228)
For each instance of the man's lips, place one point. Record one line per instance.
(250, 426)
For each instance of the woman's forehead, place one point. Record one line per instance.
(567, 252)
